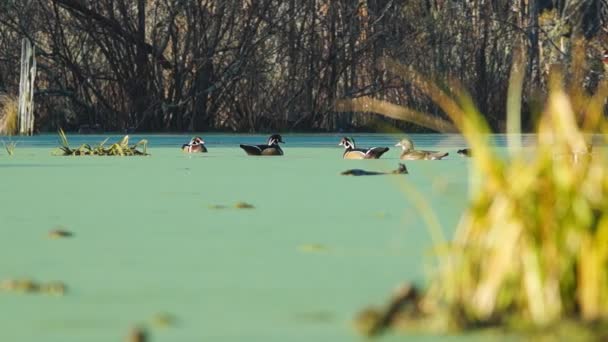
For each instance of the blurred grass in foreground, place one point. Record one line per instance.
(531, 250)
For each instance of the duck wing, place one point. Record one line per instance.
(413, 155)
(274, 150)
(252, 150)
(375, 152)
(356, 153)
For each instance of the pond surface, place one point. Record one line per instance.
(316, 248)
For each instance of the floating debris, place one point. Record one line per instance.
(381, 214)
(19, 285)
(366, 321)
(60, 233)
(54, 288)
(243, 205)
(217, 206)
(373, 321)
(401, 170)
(314, 317)
(137, 334)
(237, 205)
(164, 320)
(313, 248)
(120, 148)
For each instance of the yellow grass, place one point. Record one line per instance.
(9, 107)
(532, 246)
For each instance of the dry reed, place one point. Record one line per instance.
(532, 246)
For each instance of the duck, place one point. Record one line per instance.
(196, 144)
(272, 148)
(409, 153)
(352, 152)
(465, 152)
(401, 170)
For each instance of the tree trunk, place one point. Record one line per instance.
(533, 48)
(26, 88)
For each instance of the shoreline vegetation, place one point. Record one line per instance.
(162, 66)
(530, 252)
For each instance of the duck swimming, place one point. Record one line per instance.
(272, 148)
(401, 170)
(196, 144)
(465, 152)
(352, 152)
(409, 153)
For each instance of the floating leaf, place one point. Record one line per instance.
(243, 205)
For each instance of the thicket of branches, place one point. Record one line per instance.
(258, 65)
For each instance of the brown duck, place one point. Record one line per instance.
(409, 153)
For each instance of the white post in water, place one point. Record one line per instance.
(26, 88)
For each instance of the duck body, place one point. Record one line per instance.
(272, 148)
(196, 145)
(422, 155)
(409, 153)
(401, 170)
(352, 152)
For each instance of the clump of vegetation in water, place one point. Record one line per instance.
(532, 246)
(120, 148)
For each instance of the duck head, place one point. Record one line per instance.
(275, 139)
(197, 141)
(348, 143)
(406, 144)
(196, 144)
(605, 57)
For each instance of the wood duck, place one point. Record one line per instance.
(352, 152)
(605, 58)
(465, 152)
(196, 144)
(272, 148)
(409, 153)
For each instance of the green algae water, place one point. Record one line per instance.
(150, 237)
